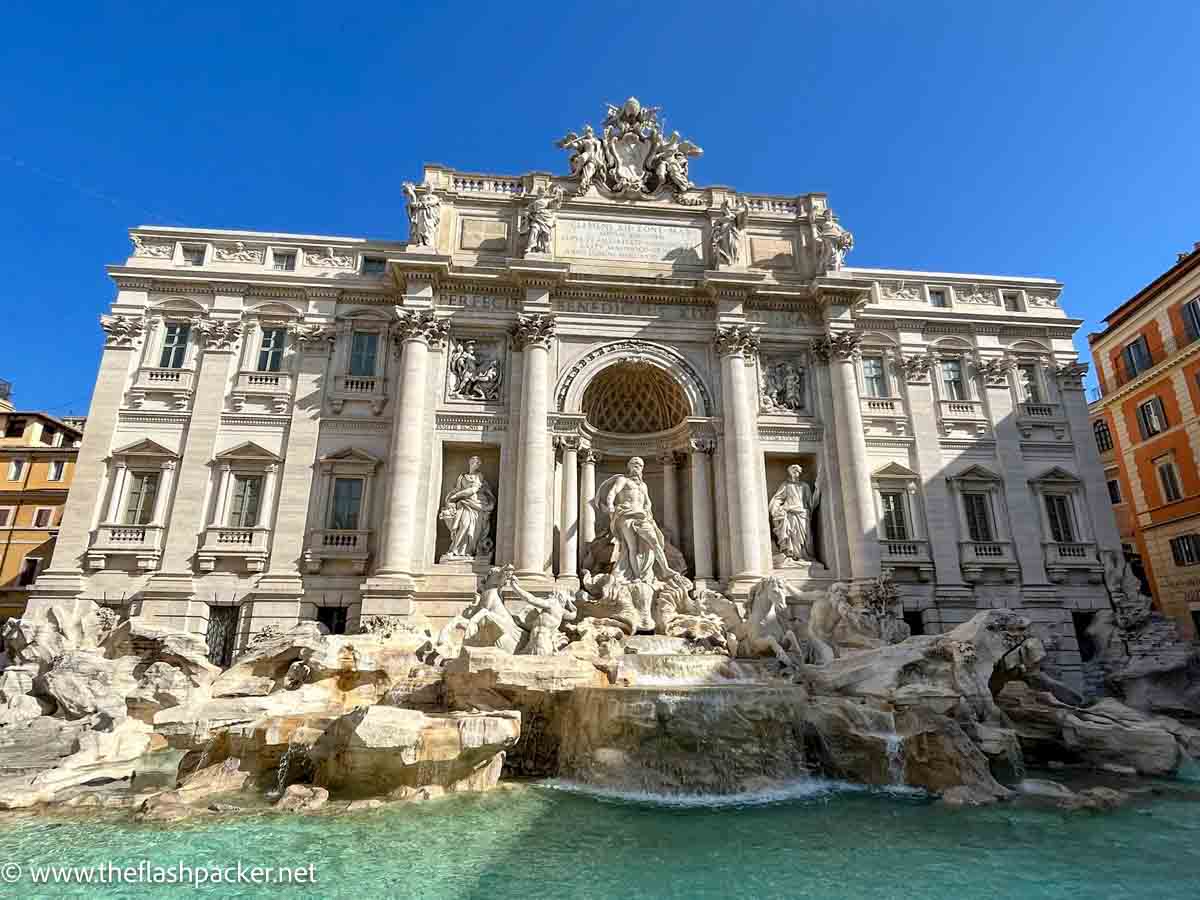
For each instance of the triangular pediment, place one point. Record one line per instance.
(975, 473)
(146, 447)
(895, 470)
(351, 455)
(1055, 475)
(248, 450)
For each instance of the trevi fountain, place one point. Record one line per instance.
(808, 664)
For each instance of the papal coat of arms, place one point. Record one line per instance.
(633, 158)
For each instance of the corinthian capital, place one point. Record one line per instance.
(420, 325)
(121, 331)
(533, 331)
(838, 345)
(1070, 375)
(994, 371)
(736, 340)
(916, 369)
(218, 334)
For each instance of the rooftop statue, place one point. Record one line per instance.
(539, 219)
(632, 159)
(424, 214)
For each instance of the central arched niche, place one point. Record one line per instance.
(634, 398)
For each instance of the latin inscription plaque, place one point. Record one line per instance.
(636, 241)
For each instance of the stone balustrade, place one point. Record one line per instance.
(251, 546)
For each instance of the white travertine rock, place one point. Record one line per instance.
(377, 749)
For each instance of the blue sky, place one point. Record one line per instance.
(1049, 138)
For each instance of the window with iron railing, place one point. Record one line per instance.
(1185, 549)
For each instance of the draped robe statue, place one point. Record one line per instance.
(641, 552)
(468, 513)
(791, 511)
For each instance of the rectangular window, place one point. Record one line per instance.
(43, 517)
(174, 349)
(16, 468)
(57, 470)
(14, 428)
(193, 256)
(270, 354)
(1136, 357)
(1168, 477)
(952, 380)
(373, 265)
(363, 348)
(1012, 300)
(895, 521)
(1152, 418)
(1191, 319)
(48, 435)
(978, 508)
(247, 498)
(1186, 549)
(1062, 525)
(29, 570)
(937, 297)
(6, 516)
(874, 384)
(139, 502)
(347, 500)
(1031, 386)
(1114, 491)
(283, 261)
(1104, 441)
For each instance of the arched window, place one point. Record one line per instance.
(1104, 441)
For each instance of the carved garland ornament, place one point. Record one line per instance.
(841, 345)
(121, 331)
(218, 334)
(533, 331)
(994, 372)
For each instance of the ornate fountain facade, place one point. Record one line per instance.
(288, 427)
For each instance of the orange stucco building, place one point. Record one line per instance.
(37, 462)
(1148, 432)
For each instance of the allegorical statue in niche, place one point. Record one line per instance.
(539, 219)
(473, 376)
(727, 232)
(791, 510)
(468, 515)
(424, 214)
(588, 160)
(640, 553)
(834, 243)
(783, 386)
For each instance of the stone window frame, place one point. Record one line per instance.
(1115, 497)
(361, 321)
(960, 351)
(49, 510)
(37, 561)
(178, 310)
(1019, 306)
(282, 251)
(62, 471)
(247, 458)
(20, 463)
(1161, 462)
(255, 321)
(142, 456)
(944, 290)
(1185, 549)
(1038, 362)
(1058, 482)
(349, 462)
(895, 478)
(371, 258)
(183, 248)
(1100, 426)
(878, 347)
(977, 479)
(1142, 412)
(8, 516)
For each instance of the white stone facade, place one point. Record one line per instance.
(294, 400)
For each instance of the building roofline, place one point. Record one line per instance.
(1123, 312)
(26, 413)
(963, 276)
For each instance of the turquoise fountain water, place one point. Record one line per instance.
(814, 840)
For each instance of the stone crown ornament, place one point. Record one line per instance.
(121, 331)
(313, 335)
(994, 372)
(218, 334)
(533, 331)
(632, 158)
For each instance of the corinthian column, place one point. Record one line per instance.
(702, 511)
(840, 351)
(568, 547)
(532, 336)
(587, 496)
(415, 332)
(736, 346)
